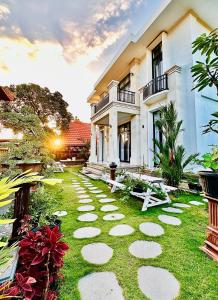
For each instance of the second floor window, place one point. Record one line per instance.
(124, 84)
(157, 65)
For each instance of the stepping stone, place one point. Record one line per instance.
(169, 220)
(205, 200)
(121, 230)
(83, 196)
(101, 196)
(96, 192)
(81, 192)
(157, 283)
(151, 229)
(145, 249)
(113, 217)
(97, 253)
(100, 286)
(172, 210)
(109, 208)
(89, 217)
(182, 205)
(86, 208)
(79, 189)
(86, 232)
(60, 213)
(106, 200)
(196, 203)
(93, 188)
(85, 201)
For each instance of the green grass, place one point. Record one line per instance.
(197, 274)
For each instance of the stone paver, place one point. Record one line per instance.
(100, 286)
(60, 213)
(145, 249)
(181, 205)
(93, 188)
(85, 200)
(196, 203)
(89, 217)
(172, 210)
(205, 200)
(86, 232)
(157, 283)
(106, 200)
(101, 196)
(109, 208)
(169, 220)
(121, 230)
(96, 191)
(83, 196)
(113, 217)
(79, 189)
(86, 208)
(81, 192)
(151, 229)
(97, 253)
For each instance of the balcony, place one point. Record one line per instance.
(103, 102)
(126, 96)
(155, 86)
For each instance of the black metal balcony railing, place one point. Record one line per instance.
(126, 96)
(156, 85)
(104, 101)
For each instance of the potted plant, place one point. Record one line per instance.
(209, 179)
(194, 185)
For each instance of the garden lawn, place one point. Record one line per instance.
(197, 274)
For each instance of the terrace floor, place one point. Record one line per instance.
(138, 261)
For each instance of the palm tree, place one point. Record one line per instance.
(171, 157)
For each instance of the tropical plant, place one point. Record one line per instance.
(206, 73)
(171, 157)
(210, 160)
(41, 255)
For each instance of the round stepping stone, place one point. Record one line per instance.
(93, 188)
(86, 232)
(96, 192)
(172, 210)
(121, 230)
(151, 229)
(106, 200)
(89, 217)
(169, 220)
(79, 189)
(157, 283)
(145, 249)
(97, 253)
(86, 208)
(101, 196)
(81, 192)
(100, 286)
(113, 217)
(196, 203)
(182, 205)
(85, 201)
(109, 208)
(83, 196)
(60, 213)
(205, 200)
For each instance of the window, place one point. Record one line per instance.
(157, 134)
(157, 65)
(125, 83)
(125, 142)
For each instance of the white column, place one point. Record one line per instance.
(135, 141)
(112, 90)
(134, 80)
(113, 137)
(165, 51)
(93, 156)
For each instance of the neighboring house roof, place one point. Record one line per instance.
(6, 94)
(77, 134)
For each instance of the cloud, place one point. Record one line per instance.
(4, 12)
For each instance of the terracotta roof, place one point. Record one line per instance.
(77, 134)
(6, 94)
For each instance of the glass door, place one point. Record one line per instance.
(157, 67)
(157, 134)
(125, 142)
(102, 145)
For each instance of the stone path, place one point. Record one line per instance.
(154, 282)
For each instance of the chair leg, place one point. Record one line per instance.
(164, 190)
(146, 200)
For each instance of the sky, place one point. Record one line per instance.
(66, 44)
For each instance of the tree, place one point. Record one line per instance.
(48, 106)
(171, 157)
(206, 73)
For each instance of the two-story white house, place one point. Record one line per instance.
(150, 70)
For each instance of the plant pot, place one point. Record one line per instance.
(138, 189)
(209, 182)
(195, 186)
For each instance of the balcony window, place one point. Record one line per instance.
(157, 61)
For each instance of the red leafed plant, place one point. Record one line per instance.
(41, 256)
